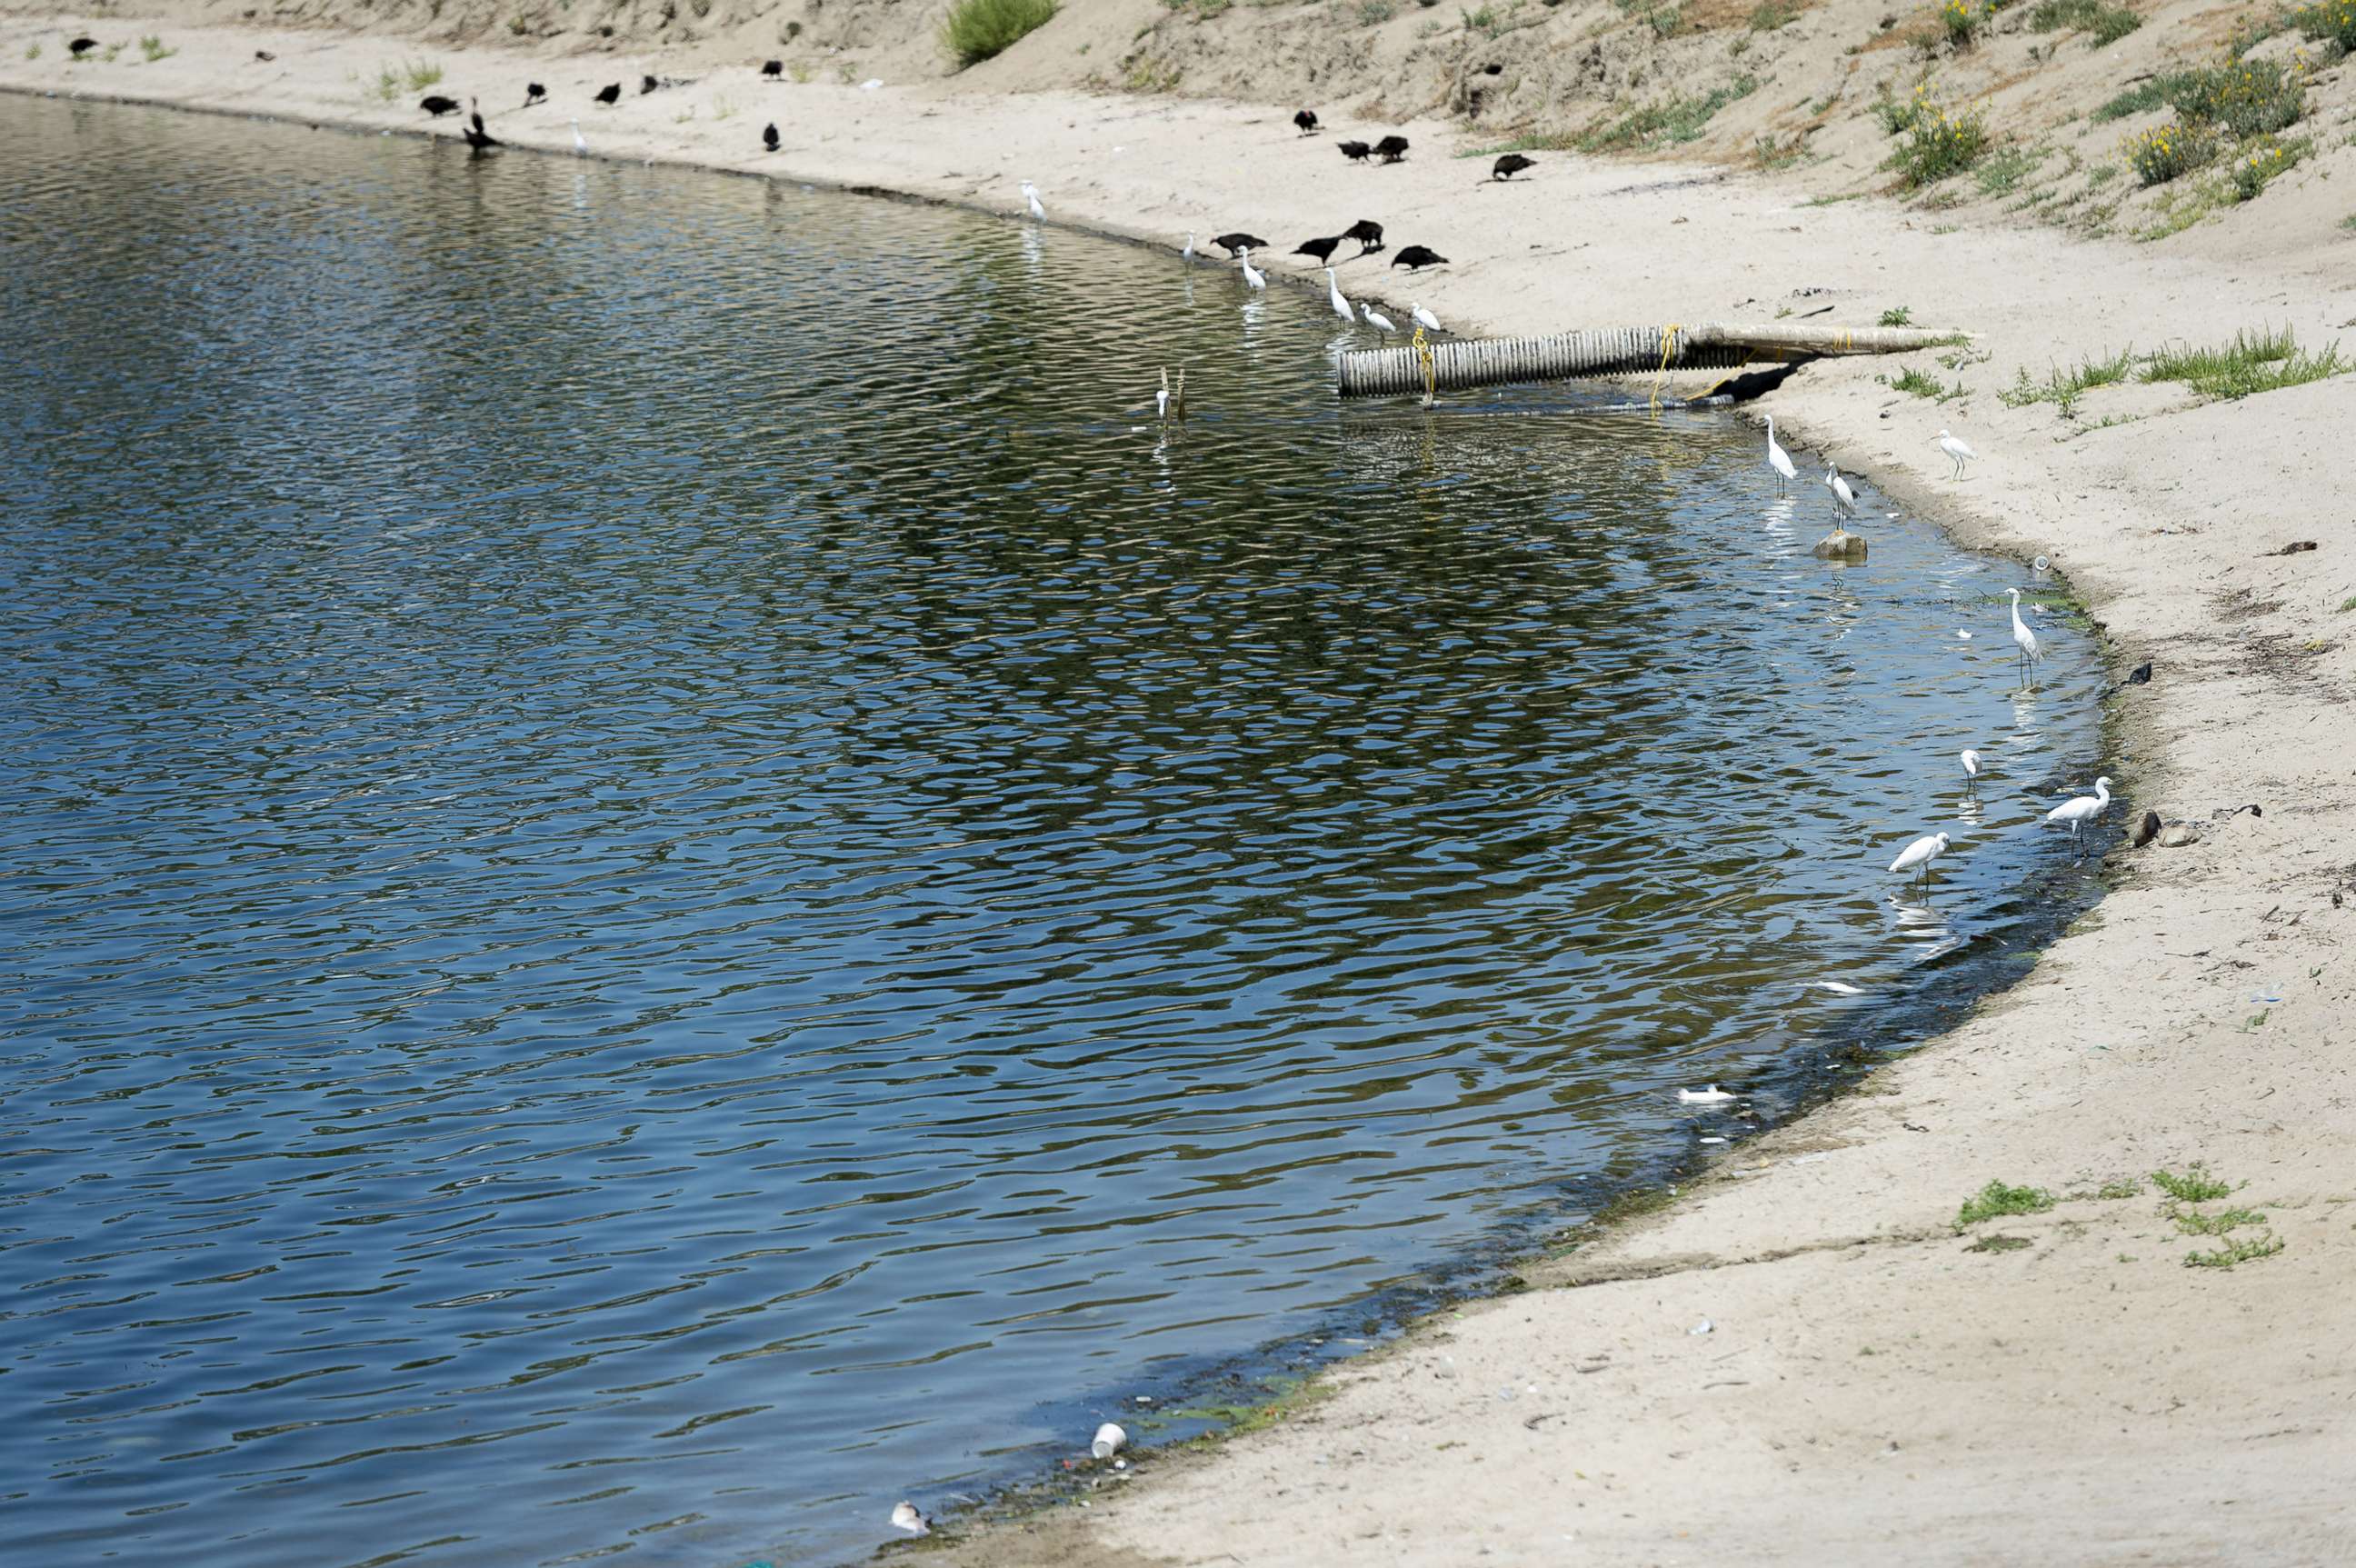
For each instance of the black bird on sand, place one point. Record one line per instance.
(1390, 149)
(1510, 165)
(532, 94)
(476, 137)
(769, 137)
(2139, 674)
(264, 55)
(646, 84)
(434, 103)
(1368, 232)
(1239, 240)
(82, 46)
(609, 95)
(1415, 258)
(775, 67)
(1307, 121)
(1754, 383)
(1322, 249)
(1355, 151)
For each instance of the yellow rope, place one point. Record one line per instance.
(1668, 345)
(1430, 368)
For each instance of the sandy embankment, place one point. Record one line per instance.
(1872, 1391)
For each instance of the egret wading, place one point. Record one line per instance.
(1031, 195)
(1334, 297)
(580, 141)
(1971, 761)
(1844, 498)
(1424, 318)
(1919, 856)
(1958, 451)
(1376, 319)
(2082, 811)
(1252, 278)
(2024, 640)
(1779, 460)
(1187, 255)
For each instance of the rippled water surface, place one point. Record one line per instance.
(665, 878)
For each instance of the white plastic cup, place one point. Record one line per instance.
(1108, 1441)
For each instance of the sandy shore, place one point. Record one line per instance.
(1874, 1386)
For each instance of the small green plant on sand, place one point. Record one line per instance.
(1940, 143)
(2064, 387)
(153, 48)
(2332, 21)
(421, 74)
(2264, 1244)
(2197, 1224)
(1667, 122)
(2126, 1186)
(974, 30)
(2248, 365)
(1999, 1242)
(1898, 315)
(2168, 152)
(1961, 20)
(2194, 1186)
(33, 51)
(2104, 24)
(1773, 14)
(1996, 1199)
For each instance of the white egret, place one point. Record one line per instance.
(1921, 853)
(1334, 297)
(2024, 640)
(1842, 497)
(1162, 409)
(1256, 279)
(1031, 195)
(2082, 811)
(1779, 460)
(1958, 451)
(905, 1517)
(1971, 761)
(580, 141)
(1424, 318)
(1187, 255)
(1376, 319)
(1713, 1095)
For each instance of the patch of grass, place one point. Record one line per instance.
(974, 30)
(1910, 380)
(1202, 10)
(106, 56)
(2194, 1186)
(1667, 21)
(2105, 24)
(1898, 115)
(1996, 1199)
(2348, 604)
(2332, 21)
(800, 71)
(2126, 1186)
(1667, 122)
(1374, 13)
(2004, 169)
(1769, 153)
(2000, 1243)
(1939, 143)
(2065, 387)
(2252, 169)
(421, 74)
(1961, 21)
(2140, 98)
(1898, 315)
(1773, 14)
(2244, 98)
(2168, 152)
(2243, 367)
(2220, 1224)
(32, 51)
(2265, 1244)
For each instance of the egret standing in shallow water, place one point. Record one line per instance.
(1334, 297)
(1779, 460)
(1958, 451)
(1031, 195)
(2024, 640)
(1376, 319)
(1921, 853)
(1844, 498)
(580, 141)
(1187, 255)
(1256, 279)
(2082, 811)
(1971, 760)
(1425, 320)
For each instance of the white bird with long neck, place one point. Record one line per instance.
(1161, 398)
(2024, 640)
(1425, 320)
(1842, 497)
(1187, 255)
(1971, 761)
(1957, 450)
(1779, 460)
(1920, 854)
(1031, 195)
(1376, 318)
(1334, 297)
(580, 141)
(1254, 279)
(2082, 810)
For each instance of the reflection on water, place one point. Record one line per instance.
(669, 877)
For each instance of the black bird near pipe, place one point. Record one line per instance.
(1355, 151)
(1390, 149)
(1239, 240)
(82, 46)
(1754, 383)
(610, 95)
(774, 68)
(769, 136)
(1368, 233)
(1322, 249)
(1415, 258)
(1307, 121)
(1509, 165)
(533, 92)
(476, 137)
(434, 103)
(646, 84)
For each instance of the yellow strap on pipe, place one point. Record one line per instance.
(1669, 344)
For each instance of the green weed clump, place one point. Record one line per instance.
(153, 48)
(974, 30)
(1996, 1199)
(2332, 21)
(421, 74)
(2104, 24)
(1773, 14)
(2265, 1244)
(1898, 315)
(2065, 387)
(2247, 366)
(1961, 21)
(1668, 122)
(2254, 169)
(2196, 1185)
(2168, 152)
(1939, 143)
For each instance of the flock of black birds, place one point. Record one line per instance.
(479, 136)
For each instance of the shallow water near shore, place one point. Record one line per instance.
(671, 878)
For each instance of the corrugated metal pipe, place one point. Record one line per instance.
(1460, 362)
